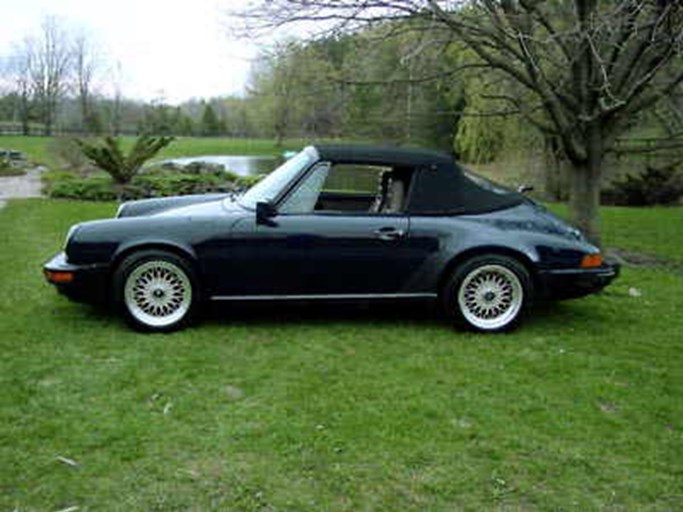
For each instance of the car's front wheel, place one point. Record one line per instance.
(488, 293)
(156, 290)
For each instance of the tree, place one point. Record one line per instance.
(586, 67)
(274, 80)
(108, 155)
(210, 125)
(49, 58)
(21, 64)
(116, 111)
(85, 64)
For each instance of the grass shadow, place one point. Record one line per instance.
(316, 313)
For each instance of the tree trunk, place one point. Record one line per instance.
(556, 185)
(24, 114)
(48, 119)
(584, 200)
(25, 123)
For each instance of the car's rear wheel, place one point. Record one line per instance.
(488, 293)
(156, 290)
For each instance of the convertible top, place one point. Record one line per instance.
(439, 185)
(350, 153)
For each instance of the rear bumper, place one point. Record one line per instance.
(80, 283)
(576, 282)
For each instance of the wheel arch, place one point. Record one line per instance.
(163, 245)
(519, 255)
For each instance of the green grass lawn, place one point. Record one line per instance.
(340, 409)
(654, 231)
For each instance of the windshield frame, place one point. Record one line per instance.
(276, 183)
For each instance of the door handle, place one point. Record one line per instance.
(389, 233)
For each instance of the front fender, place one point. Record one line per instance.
(129, 246)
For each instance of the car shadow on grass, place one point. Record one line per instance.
(412, 313)
(278, 313)
(389, 314)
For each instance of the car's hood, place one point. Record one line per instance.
(208, 209)
(192, 205)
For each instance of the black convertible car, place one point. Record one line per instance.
(334, 223)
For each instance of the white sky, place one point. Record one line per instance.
(168, 49)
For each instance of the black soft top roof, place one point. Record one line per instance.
(438, 186)
(388, 155)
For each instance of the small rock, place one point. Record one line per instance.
(608, 407)
(233, 392)
(68, 462)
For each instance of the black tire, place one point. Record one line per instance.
(488, 293)
(156, 291)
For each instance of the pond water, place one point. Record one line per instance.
(240, 165)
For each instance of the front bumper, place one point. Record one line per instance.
(576, 282)
(80, 283)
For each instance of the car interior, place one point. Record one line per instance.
(364, 188)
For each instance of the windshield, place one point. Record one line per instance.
(269, 187)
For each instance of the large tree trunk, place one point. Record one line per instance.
(586, 180)
(584, 203)
(556, 184)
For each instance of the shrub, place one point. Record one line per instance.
(167, 179)
(50, 178)
(652, 186)
(7, 169)
(98, 188)
(68, 153)
(109, 156)
(155, 185)
(152, 184)
(249, 181)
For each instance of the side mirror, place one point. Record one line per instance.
(525, 188)
(264, 212)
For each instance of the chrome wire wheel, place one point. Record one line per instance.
(158, 293)
(490, 297)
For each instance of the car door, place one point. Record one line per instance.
(314, 254)
(304, 252)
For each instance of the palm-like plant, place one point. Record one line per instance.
(108, 155)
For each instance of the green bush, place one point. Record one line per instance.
(7, 169)
(652, 186)
(249, 181)
(154, 185)
(98, 188)
(109, 156)
(50, 178)
(67, 153)
(61, 184)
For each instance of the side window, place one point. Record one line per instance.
(354, 178)
(365, 188)
(350, 188)
(304, 198)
